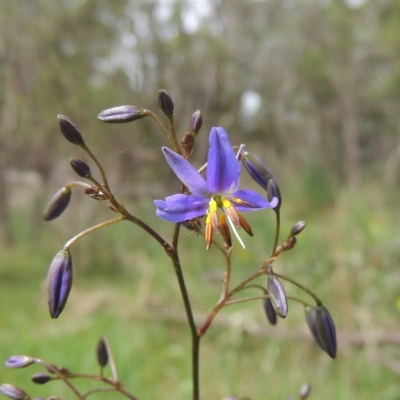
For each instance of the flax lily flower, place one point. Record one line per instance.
(217, 196)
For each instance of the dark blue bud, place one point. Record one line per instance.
(261, 174)
(59, 282)
(102, 353)
(80, 167)
(165, 102)
(69, 130)
(322, 328)
(269, 311)
(58, 203)
(41, 378)
(196, 121)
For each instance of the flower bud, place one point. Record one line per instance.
(121, 114)
(102, 353)
(269, 311)
(80, 167)
(19, 361)
(305, 391)
(165, 102)
(13, 392)
(277, 294)
(196, 121)
(322, 328)
(261, 174)
(297, 228)
(41, 378)
(69, 130)
(59, 282)
(58, 203)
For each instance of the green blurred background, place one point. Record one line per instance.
(312, 87)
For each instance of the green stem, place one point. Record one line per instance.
(308, 291)
(157, 120)
(61, 376)
(173, 253)
(99, 166)
(173, 134)
(92, 229)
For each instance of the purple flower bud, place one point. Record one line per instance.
(80, 167)
(58, 203)
(19, 361)
(13, 392)
(121, 114)
(102, 353)
(197, 121)
(69, 130)
(322, 328)
(269, 311)
(59, 282)
(165, 102)
(277, 294)
(261, 174)
(41, 378)
(297, 228)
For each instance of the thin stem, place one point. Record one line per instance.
(173, 253)
(61, 376)
(266, 296)
(99, 166)
(227, 276)
(92, 229)
(308, 291)
(69, 185)
(173, 134)
(202, 330)
(157, 120)
(278, 226)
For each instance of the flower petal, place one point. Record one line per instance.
(186, 173)
(223, 169)
(257, 201)
(181, 207)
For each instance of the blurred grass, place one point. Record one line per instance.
(125, 287)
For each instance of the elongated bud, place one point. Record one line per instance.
(41, 378)
(102, 353)
(19, 362)
(165, 102)
(59, 282)
(305, 391)
(269, 311)
(322, 328)
(261, 174)
(196, 121)
(297, 228)
(277, 294)
(80, 167)
(58, 203)
(69, 130)
(13, 392)
(121, 114)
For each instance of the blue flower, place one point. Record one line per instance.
(217, 196)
